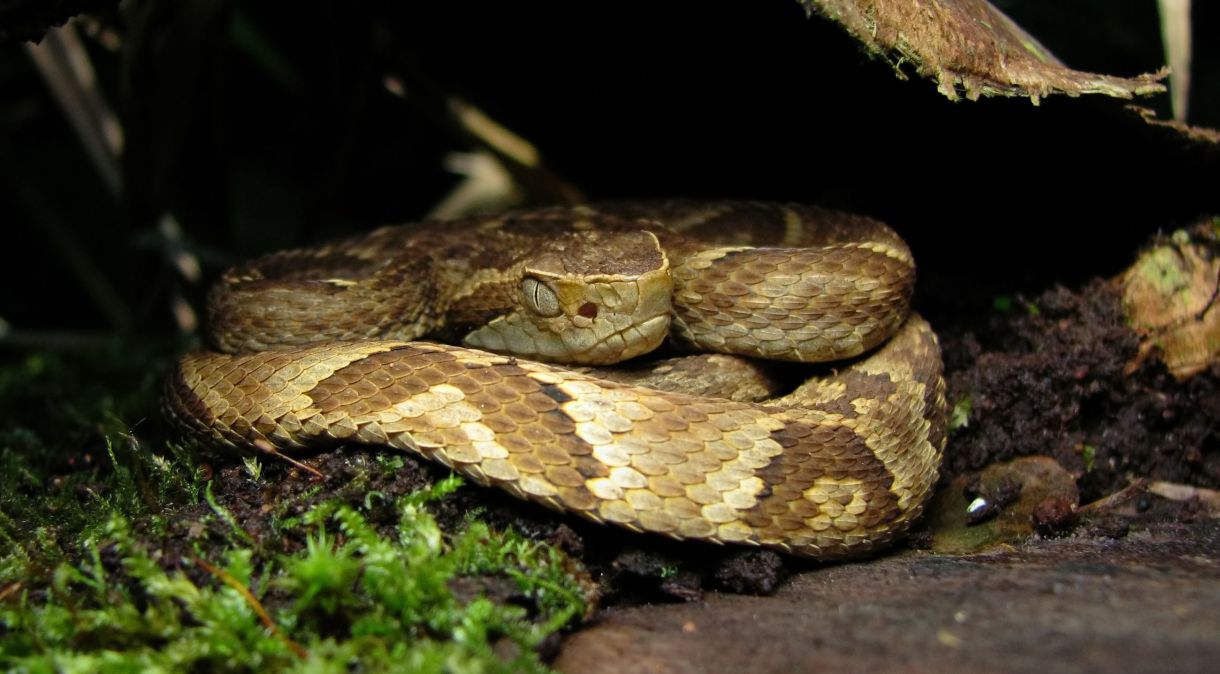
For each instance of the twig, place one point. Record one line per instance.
(65, 66)
(1175, 34)
(1209, 498)
(267, 448)
(186, 264)
(1118, 498)
(9, 590)
(518, 156)
(228, 579)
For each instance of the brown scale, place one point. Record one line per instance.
(837, 467)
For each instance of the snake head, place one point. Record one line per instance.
(587, 298)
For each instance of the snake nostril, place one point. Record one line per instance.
(588, 310)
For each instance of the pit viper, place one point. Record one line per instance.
(316, 347)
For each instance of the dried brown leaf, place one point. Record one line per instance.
(971, 49)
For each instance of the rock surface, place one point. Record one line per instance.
(1149, 602)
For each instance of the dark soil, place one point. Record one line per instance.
(286, 491)
(1047, 377)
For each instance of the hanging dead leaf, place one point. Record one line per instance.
(971, 49)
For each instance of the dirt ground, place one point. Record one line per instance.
(1049, 377)
(1143, 603)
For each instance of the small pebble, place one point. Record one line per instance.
(1054, 516)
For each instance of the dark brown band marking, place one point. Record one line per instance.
(804, 460)
(555, 393)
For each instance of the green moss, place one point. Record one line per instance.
(1005, 303)
(1088, 454)
(959, 416)
(350, 593)
(1162, 269)
(118, 554)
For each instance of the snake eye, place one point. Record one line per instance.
(540, 298)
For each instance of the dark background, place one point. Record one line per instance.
(265, 125)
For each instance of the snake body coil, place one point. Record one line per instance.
(313, 348)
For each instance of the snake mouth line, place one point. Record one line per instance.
(657, 325)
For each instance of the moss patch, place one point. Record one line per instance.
(121, 551)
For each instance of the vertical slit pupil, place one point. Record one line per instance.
(540, 297)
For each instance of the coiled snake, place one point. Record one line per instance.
(313, 348)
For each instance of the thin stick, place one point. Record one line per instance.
(228, 579)
(266, 447)
(65, 67)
